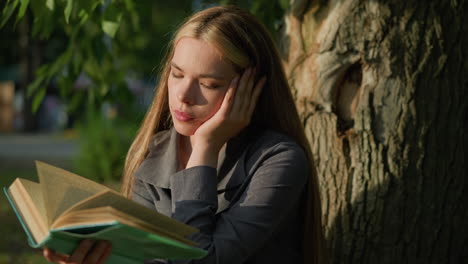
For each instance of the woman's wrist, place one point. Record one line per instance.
(203, 155)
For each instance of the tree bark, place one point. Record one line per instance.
(381, 88)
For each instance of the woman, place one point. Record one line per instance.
(222, 149)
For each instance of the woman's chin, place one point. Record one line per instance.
(185, 129)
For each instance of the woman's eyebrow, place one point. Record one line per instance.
(203, 75)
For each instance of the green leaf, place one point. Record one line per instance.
(129, 5)
(65, 84)
(76, 101)
(68, 9)
(35, 84)
(103, 89)
(61, 61)
(110, 27)
(83, 15)
(50, 4)
(111, 20)
(8, 10)
(88, 5)
(38, 99)
(22, 10)
(284, 4)
(39, 11)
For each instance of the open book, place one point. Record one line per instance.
(64, 208)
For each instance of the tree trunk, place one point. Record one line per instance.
(30, 60)
(381, 87)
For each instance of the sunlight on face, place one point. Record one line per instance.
(198, 80)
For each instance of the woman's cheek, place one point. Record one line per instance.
(220, 100)
(214, 109)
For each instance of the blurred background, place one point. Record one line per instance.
(76, 78)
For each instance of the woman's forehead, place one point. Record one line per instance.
(199, 57)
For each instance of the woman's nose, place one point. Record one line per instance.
(186, 93)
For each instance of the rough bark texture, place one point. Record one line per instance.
(381, 87)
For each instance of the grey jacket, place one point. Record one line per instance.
(248, 210)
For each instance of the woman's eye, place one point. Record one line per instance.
(176, 76)
(210, 86)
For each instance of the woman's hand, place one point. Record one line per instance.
(87, 251)
(233, 115)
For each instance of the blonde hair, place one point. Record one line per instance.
(244, 42)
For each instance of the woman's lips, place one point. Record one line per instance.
(182, 116)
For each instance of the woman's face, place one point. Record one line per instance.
(198, 80)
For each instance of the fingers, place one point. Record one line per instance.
(81, 251)
(241, 98)
(243, 91)
(255, 94)
(87, 251)
(106, 254)
(226, 105)
(100, 252)
(247, 95)
(51, 256)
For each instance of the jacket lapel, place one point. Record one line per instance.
(232, 172)
(162, 162)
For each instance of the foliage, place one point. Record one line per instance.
(105, 141)
(85, 23)
(106, 41)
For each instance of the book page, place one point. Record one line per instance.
(34, 191)
(27, 197)
(62, 189)
(113, 199)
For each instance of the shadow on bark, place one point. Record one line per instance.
(402, 226)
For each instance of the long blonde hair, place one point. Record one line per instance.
(244, 42)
